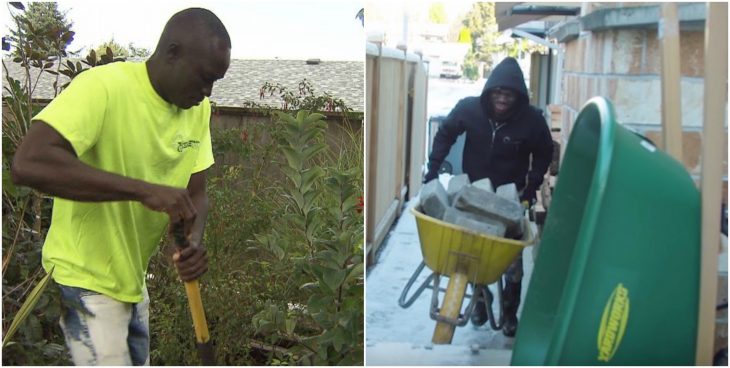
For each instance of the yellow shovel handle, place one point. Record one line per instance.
(196, 310)
(192, 289)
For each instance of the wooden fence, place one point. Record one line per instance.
(395, 139)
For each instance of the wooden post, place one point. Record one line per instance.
(372, 103)
(671, 95)
(711, 181)
(401, 131)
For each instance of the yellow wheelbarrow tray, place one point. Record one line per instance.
(465, 256)
(447, 247)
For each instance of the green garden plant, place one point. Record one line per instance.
(31, 312)
(319, 237)
(240, 205)
(27, 307)
(27, 310)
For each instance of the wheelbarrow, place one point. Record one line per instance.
(465, 257)
(617, 280)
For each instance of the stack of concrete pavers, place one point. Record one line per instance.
(475, 206)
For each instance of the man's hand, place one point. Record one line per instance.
(176, 202)
(430, 176)
(191, 262)
(528, 194)
(190, 258)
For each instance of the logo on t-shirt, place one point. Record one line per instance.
(183, 145)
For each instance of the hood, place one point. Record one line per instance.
(506, 74)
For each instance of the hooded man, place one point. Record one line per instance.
(124, 152)
(507, 141)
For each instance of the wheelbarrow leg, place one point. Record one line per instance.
(450, 308)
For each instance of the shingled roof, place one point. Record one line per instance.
(244, 79)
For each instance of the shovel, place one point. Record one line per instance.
(202, 337)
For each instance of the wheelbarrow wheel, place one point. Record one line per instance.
(450, 309)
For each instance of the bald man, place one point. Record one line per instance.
(124, 151)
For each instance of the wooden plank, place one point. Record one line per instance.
(671, 95)
(390, 120)
(371, 152)
(382, 162)
(402, 135)
(383, 226)
(711, 181)
(418, 129)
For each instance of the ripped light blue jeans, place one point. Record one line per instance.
(100, 330)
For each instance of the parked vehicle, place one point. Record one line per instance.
(450, 69)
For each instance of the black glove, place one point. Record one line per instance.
(529, 194)
(430, 175)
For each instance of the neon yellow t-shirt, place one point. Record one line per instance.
(116, 122)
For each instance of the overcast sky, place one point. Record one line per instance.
(259, 29)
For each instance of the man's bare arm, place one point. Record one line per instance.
(47, 162)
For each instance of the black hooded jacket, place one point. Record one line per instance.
(498, 150)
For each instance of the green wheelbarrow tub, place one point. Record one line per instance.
(617, 280)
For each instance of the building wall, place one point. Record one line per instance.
(624, 65)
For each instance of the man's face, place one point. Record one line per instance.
(502, 99)
(193, 73)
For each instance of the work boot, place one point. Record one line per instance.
(509, 328)
(479, 315)
(511, 297)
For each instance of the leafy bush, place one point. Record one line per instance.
(240, 205)
(26, 213)
(273, 228)
(319, 246)
(471, 71)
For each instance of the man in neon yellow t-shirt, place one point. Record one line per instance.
(124, 151)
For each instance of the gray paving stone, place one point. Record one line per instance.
(475, 222)
(484, 184)
(434, 199)
(456, 184)
(516, 231)
(508, 191)
(478, 201)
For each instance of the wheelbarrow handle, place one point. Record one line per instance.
(402, 302)
(192, 289)
(495, 323)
